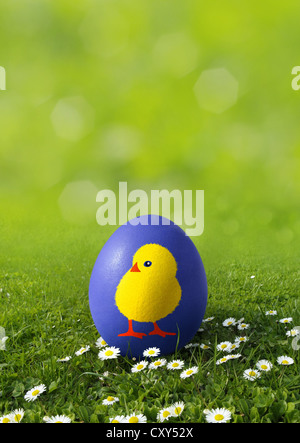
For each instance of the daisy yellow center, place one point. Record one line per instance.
(18, 417)
(229, 323)
(151, 352)
(157, 363)
(177, 410)
(139, 367)
(175, 365)
(133, 420)
(109, 398)
(6, 420)
(189, 372)
(252, 373)
(166, 414)
(103, 342)
(223, 346)
(58, 422)
(35, 392)
(223, 359)
(264, 367)
(219, 417)
(285, 362)
(205, 347)
(115, 421)
(108, 353)
(286, 321)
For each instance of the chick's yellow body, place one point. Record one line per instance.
(149, 291)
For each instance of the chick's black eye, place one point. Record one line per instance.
(147, 263)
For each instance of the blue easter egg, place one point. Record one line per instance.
(148, 287)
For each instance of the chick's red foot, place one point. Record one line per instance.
(131, 332)
(158, 331)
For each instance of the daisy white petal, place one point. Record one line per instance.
(219, 415)
(65, 358)
(251, 374)
(271, 312)
(164, 414)
(175, 364)
(6, 419)
(100, 343)
(286, 320)
(224, 346)
(242, 326)
(135, 418)
(57, 419)
(151, 352)
(188, 372)
(35, 392)
(293, 332)
(17, 415)
(117, 419)
(222, 360)
(82, 350)
(110, 400)
(285, 360)
(157, 363)
(109, 352)
(229, 322)
(139, 366)
(264, 365)
(177, 408)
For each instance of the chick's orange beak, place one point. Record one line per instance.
(135, 268)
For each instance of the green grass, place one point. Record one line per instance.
(45, 312)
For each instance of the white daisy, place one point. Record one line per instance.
(234, 346)
(175, 364)
(205, 320)
(110, 400)
(117, 419)
(100, 343)
(135, 418)
(157, 363)
(240, 339)
(139, 366)
(204, 346)
(271, 312)
(285, 360)
(251, 374)
(35, 392)
(188, 372)
(222, 360)
(242, 326)
(219, 415)
(177, 408)
(286, 320)
(293, 332)
(233, 356)
(65, 358)
(224, 346)
(151, 352)
(57, 419)
(191, 345)
(109, 352)
(264, 365)
(17, 415)
(229, 322)
(164, 414)
(6, 419)
(82, 350)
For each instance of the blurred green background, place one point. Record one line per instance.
(163, 94)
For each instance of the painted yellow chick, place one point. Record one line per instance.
(149, 291)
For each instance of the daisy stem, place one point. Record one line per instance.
(199, 392)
